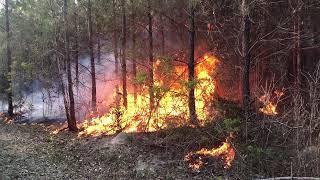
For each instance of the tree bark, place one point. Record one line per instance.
(123, 61)
(116, 59)
(246, 25)
(162, 31)
(76, 50)
(150, 67)
(134, 63)
(297, 31)
(191, 67)
(99, 50)
(76, 58)
(76, 44)
(9, 76)
(72, 124)
(92, 61)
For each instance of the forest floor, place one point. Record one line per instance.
(33, 152)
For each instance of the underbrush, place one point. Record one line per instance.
(276, 146)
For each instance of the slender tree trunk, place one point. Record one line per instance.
(76, 58)
(116, 59)
(123, 61)
(297, 31)
(246, 25)
(92, 62)
(9, 76)
(134, 63)
(162, 37)
(72, 124)
(191, 68)
(76, 45)
(99, 50)
(162, 31)
(150, 67)
(76, 52)
(63, 89)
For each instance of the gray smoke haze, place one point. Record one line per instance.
(43, 105)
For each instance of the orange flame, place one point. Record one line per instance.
(171, 103)
(225, 151)
(6, 119)
(270, 104)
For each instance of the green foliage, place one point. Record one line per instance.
(191, 84)
(228, 108)
(166, 65)
(256, 152)
(257, 156)
(141, 77)
(232, 125)
(228, 125)
(160, 91)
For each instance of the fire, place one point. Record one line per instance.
(171, 101)
(270, 104)
(6, 119)
(225, 151)
(56, 131)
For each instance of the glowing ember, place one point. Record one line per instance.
(5, 118)
(58, 130)
(196, 165)
(171, 102)
(270, 103)
(225, 151)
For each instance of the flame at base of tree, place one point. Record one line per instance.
(225, 152)
(171, 101)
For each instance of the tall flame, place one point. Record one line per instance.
(171, 102)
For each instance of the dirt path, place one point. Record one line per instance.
(30, 152)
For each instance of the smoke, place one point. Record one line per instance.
(43, 105)
(105, 85)
(40, 104)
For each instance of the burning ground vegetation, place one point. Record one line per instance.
(171, 106)
(171, 111)
(195, 151)
(171, 101)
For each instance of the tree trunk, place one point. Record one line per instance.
(116, 59)
(76, 51)
(246, 58)
(9, 76)
(150, 67)
(99, 50)
(162, 31)
(162, 37)
(123, 61)
(191, 68)
(76, 45)
(297, 31)
(63, 89)
(93, 69)
(134, 63)
(76, 58)
(72, 124)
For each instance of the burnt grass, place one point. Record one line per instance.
(33, 152)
